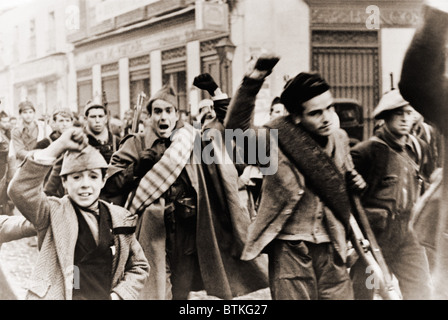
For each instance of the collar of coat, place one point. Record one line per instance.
(319, 169)
(151, 136)
(122, 220)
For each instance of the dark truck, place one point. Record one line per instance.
(351, 118)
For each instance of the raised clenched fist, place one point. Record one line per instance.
(205, 82)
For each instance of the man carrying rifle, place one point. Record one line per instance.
(302, 221)
(392, 165)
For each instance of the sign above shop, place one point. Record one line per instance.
(109, 9)
(212, 16)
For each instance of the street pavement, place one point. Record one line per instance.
(17, 259)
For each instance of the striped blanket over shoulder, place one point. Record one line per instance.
(165, 172)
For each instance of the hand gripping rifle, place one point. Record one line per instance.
(138, 111)
(364, 242)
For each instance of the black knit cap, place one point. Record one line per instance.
(302, 88)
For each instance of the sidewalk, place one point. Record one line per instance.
(17, 259)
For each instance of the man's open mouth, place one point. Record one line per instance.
(164, 126)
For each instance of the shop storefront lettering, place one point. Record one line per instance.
(113, 53)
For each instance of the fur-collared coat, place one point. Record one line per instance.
(282, 191)
(57, 230)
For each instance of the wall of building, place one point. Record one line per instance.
(281, 27)
(394, 43)
(34, 49)
(148, 42)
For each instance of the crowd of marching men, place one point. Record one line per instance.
(120, 211)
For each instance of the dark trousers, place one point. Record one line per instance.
(182, 264)
(300, 270)
(407, 261)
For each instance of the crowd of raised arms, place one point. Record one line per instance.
(162, 203)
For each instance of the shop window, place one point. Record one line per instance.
(111, 87)
(84, 94)
(136, 87)
(51, 97)
(177, 77)
(174, 72)
(210, 65)
(348, 60)
(139, 78)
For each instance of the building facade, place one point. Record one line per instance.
(34, 57)
(123, 48)
(123, 51)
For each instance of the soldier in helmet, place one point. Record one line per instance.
(393, 164)
(87, 247)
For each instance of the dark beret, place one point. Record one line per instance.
(302, 88)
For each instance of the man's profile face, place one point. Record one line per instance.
(96, 120)
(319, 114)
(164, 118)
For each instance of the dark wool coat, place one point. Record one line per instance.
(425, 85)
(222, 222)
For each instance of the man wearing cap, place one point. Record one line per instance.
(391, 163)
(87, 247)
(97, 131)
(302, 218)
(191, 222)
(25, 136)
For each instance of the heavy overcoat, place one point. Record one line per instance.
(57, 231)
(222, 222)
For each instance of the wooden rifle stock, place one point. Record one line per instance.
(138, 111)
(365, 244)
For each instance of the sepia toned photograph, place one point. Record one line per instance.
(223, 154)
